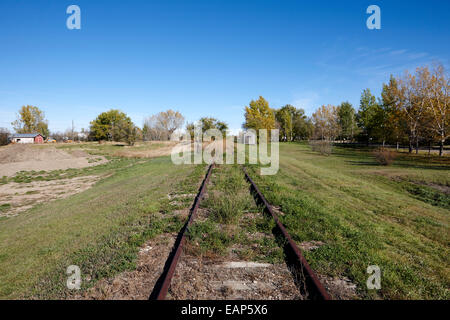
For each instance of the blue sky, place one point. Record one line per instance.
(206, 58)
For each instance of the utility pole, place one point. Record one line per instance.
(73, 129)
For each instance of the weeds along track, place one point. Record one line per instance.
(233, 246)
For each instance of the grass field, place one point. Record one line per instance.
(99, 230)
(395, 217)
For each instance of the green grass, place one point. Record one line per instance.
(94, 148)
(428, 195)
(365, 216)
(4, 207)
(209, 238)
(99, 230)
(110, 167)
(364, 213)
(229, 197)
(233, 220)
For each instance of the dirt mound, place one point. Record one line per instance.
(19, 153)
(15, 158)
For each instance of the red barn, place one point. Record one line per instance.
(38, 139)
(27, 138)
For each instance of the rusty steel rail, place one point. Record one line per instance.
(163, 284)
(311, 280)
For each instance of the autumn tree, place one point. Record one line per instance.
(31, 119)
(413, 108)
(438, 106)
(326, 123)
(393, 124)
(258, 115)
(413, 103)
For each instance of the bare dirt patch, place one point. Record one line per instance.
(153, 149)
(310, 245)
(15, 158)
(23, 196)
(148, 150)
(339, 289)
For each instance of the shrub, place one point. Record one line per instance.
(3, 136)
(227, 208)
(384, 156)
(322, 146)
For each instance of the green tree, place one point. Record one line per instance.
(284, 118)
(190, 128)
(31, 119)
(303, 128)
(208, 123)
(126, 131)
(258, 115)
(110, 125)
(222, 127)
(293, 123)
(4, 133)
(368, 115)
(347, 120)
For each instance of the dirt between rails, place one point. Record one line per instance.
(206, 279)
(228, 277)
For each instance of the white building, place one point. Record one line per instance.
(27, 138)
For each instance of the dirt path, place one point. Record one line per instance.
(201, 279)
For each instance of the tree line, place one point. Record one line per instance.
(413, 109)
(292, 122)
(112, 125)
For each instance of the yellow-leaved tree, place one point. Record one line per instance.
(258, 115)
(31, 119)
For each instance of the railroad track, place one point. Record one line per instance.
(294, 256)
